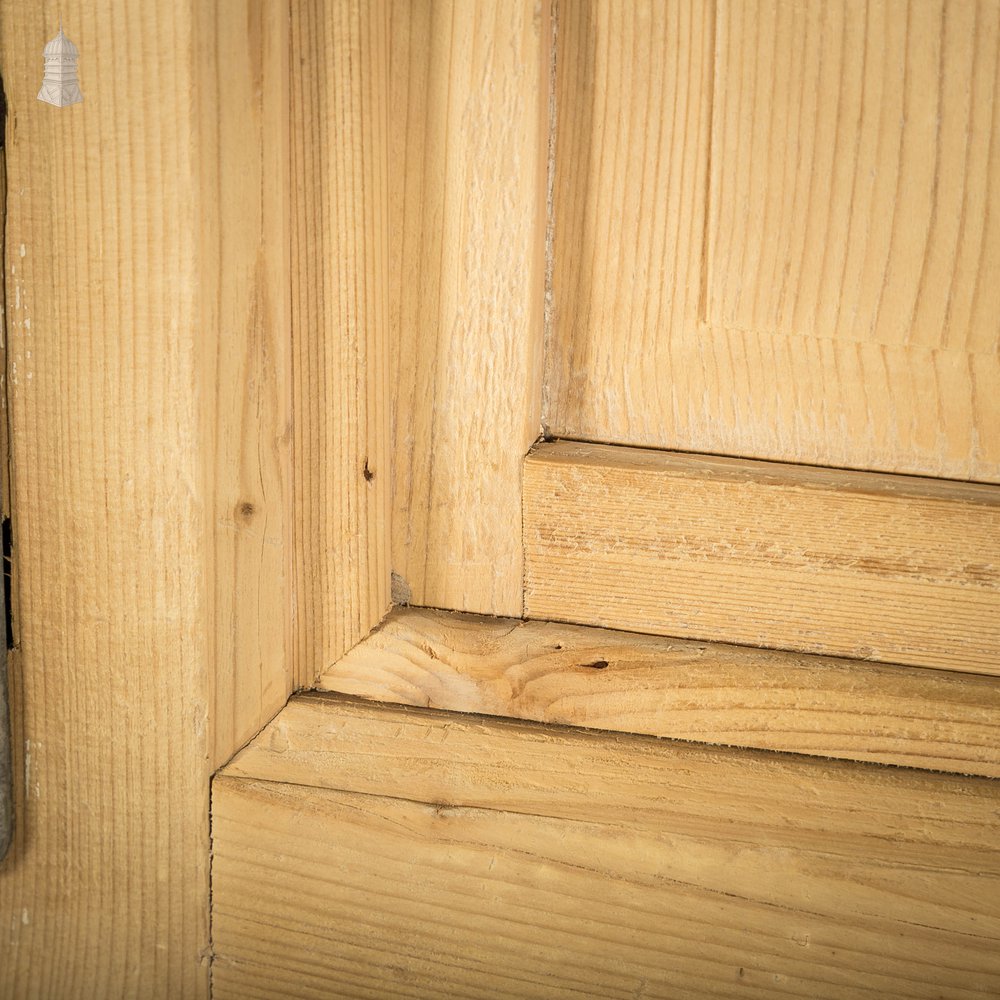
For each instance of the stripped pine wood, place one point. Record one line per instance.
(710, 693)
(892, 105)
(469, 119)
(245, 247)
(502, 859)
(632, 130)
(876, 567)
(145, 272)
(340, 176)
(731, 273)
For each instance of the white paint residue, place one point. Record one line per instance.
(25, 919)
(29, 788)
(23, 250)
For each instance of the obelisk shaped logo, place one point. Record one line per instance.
(60, 86)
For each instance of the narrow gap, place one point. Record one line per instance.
(791, 463)
(706, 233)
(5, 437)
(7, 826)
(8, 602)
(5, 429)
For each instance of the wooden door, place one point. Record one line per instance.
(681, 296)
(609, 385)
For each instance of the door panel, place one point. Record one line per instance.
(851, 173)
(773, 234)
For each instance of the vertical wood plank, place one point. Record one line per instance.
(339, 317)
(103, 323)
(146, 312)
(469, 115)
(243, 115)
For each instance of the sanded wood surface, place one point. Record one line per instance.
(145, 274)
(887, 568)
(246, 425)
(873, 225)
(772, 233)
(505, 859)
(340, 316)
(632, 123)
(469, 118)
(707, 692)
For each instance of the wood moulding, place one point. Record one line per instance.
(877, 567)
(339, 310)
(707, 692)
(468, 127)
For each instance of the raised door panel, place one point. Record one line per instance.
(772, 232)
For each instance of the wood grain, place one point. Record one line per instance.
(247, 426)
(709, 693)
(469, 119)
(754, 322)
(873, 225)
(339, 198)
(632, 132)
(145, 266)
(512, 860)
(875, 567)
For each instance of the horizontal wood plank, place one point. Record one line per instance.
(503, 859)
(877, 567)
(706, 692)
